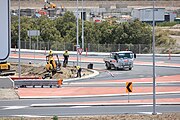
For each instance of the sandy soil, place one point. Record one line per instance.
(164, 116)
(39, 71)
(8, 94)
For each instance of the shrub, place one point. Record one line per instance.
(166, 24)
(55, 117)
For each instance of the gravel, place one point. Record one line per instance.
(164, 116)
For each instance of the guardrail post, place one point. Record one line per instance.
(86, 51)
(15, 48)
(169, 55)
(45, 51)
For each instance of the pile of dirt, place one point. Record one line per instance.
(40, 71)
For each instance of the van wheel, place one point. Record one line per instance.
(116, 68)
(130, 68)
(108, 66)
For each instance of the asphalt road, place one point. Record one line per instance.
(85, 110)
(29, 102)
(23, 106)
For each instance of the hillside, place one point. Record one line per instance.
(88, 3)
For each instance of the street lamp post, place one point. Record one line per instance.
(19, 42)
(82, 26)
(154, 69)
(77, 33)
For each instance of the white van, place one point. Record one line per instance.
(120, 60)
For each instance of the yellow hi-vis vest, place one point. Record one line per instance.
(66, 54)
(78, 67)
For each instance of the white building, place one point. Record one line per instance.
(146, 14)
(170, 16)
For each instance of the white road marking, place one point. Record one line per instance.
(14, 107)
(147, 105)
(29, 116)
(80, 106)
(148, 113)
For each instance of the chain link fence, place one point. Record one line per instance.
(58, 46)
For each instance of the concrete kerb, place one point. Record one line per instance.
(95, 73)
(91, 96)
(93, 53)
(101, 104)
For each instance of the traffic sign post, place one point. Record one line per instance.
(128, 88)
(77, 47)
(79, 50)
(33, 33)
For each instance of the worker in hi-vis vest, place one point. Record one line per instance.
(66, 56)
(78, 68)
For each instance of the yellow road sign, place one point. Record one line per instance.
(128, 87)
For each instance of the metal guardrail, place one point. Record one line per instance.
(25, 78)
(37, 82)
(7, 72)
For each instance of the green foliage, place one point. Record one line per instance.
(63, 30)
(55, 117)
(166, 24)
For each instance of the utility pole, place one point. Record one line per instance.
(154, 69)
(77, 33)
(19, 41)
(82, 26)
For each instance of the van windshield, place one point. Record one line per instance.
(125, 55)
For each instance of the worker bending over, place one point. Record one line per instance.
(78, 68)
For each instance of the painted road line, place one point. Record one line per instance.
(30, 116)
(13, 107)
(88, 104)
(149, 113)
(100, 95)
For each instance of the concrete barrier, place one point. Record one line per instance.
(6, 82)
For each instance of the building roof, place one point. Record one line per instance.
(142, 8)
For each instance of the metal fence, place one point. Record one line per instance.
(58, 46)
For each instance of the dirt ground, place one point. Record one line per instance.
(39, 71)
(164, 116)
